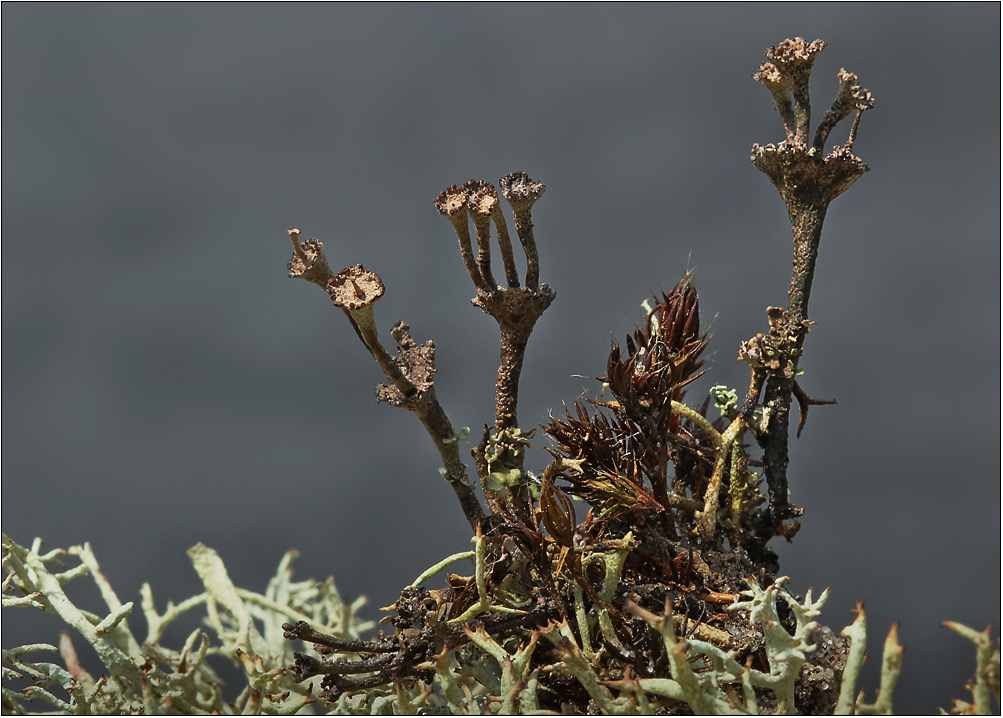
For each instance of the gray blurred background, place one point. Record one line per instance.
(164, 382)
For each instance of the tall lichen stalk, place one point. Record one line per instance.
(808, 180)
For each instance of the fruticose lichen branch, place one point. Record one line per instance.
(807, 181)
(515, 309)
(356, 290)
(891, 666)
(148, 678)
(986, 684)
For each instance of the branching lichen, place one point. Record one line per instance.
(148, 677)
(986, 684)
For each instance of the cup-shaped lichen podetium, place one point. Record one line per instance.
(308, 261)
(356, 289)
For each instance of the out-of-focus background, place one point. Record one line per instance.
(164, 383)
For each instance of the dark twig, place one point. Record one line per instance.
(307, 666)
(805, 401)
(303, 631)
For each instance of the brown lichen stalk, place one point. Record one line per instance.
(808, 181)
(515, 308)
(355, 290)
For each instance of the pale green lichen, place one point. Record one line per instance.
(460, 435)
(486, 677)
(148, 677)
(484, 599)
(891, 666)
(786, 653)
(715, 691)
(441, 566)
(725, 401)
(505, 454)
(987, 672)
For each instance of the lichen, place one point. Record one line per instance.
(663, 599)
(147, 677)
